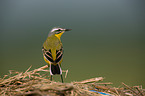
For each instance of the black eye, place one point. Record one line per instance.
(58, 30)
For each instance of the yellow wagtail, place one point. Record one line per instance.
(53, 51)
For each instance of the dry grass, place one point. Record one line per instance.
(36, 83)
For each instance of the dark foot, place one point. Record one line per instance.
(61, 78)
(50, 77)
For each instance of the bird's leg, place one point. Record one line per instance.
(50, 77)
(61, 78)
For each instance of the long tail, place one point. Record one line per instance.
(55, 69)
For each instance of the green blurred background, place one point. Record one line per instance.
(107, 37)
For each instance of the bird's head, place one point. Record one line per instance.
(58, 31)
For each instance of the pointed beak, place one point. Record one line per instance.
(68, 29)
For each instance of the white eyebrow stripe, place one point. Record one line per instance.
(54, 29)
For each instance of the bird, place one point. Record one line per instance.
(53, 51)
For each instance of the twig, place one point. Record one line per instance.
(39, 69)
(66, 73)
(88, 91)
(116, 91)
(107, 88)
(9, 80)
(105, 83)
(28, 69)
(139, 91)
(91, 80)
(129, 88)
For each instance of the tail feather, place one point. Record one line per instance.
(55, 69)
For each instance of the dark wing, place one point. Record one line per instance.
(48, 55)
(59, 54)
